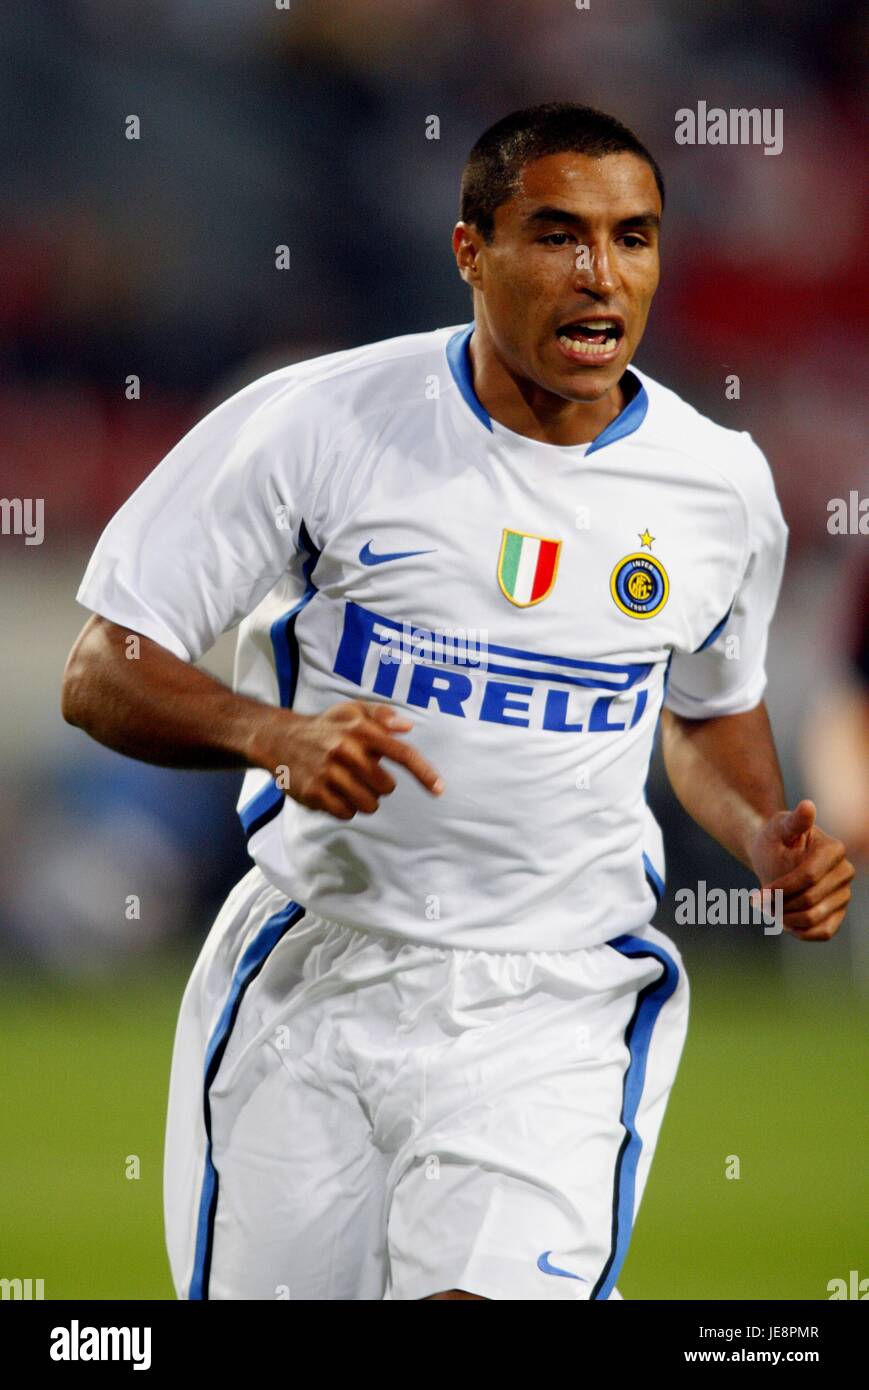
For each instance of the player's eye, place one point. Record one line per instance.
(558, 238)
(632, 241)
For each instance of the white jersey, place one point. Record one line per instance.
(531, 607)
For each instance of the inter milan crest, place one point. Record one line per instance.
(639, 583)
(527, 567)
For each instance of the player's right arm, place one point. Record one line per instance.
(138, 698)
(194, 550)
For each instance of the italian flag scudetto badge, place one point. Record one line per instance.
(527, 567)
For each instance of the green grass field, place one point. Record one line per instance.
(778, 1081)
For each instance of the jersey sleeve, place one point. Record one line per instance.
(727, 673)
(210, 531)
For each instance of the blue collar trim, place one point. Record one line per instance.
(629, 419)
(459, 358)
(625, 423)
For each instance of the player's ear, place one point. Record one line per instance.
(466, 248)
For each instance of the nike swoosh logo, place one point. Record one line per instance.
(367, 556)
(544, 1265)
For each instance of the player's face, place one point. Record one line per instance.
(567, 282)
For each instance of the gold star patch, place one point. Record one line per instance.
(645, 538)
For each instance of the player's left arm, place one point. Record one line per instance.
(725, 772)
(717, 741)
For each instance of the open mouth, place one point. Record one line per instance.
(591, 337)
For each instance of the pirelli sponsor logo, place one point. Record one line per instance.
(413, 665)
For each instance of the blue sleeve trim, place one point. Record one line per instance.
(716, 632)
(656, 883)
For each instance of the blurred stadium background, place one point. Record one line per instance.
(155, 257)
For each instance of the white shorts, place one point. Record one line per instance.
(352, 1116)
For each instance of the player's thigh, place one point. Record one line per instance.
(655, 1046)
(523, 1182)
(299, 1209)
(251, 904)
(273, 1188)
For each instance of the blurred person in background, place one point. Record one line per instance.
(837, 726)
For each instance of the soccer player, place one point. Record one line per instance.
(428, 1044)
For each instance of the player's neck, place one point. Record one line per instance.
(526, 408)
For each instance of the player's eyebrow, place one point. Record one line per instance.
(649, 220)
(549, 213)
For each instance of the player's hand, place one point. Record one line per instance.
(333, 759)
(794, 855)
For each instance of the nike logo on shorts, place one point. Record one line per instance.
(547, 1268)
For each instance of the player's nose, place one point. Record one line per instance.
(594, 269)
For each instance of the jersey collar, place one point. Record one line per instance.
(626, 422)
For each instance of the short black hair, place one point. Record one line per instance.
(492, 171)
